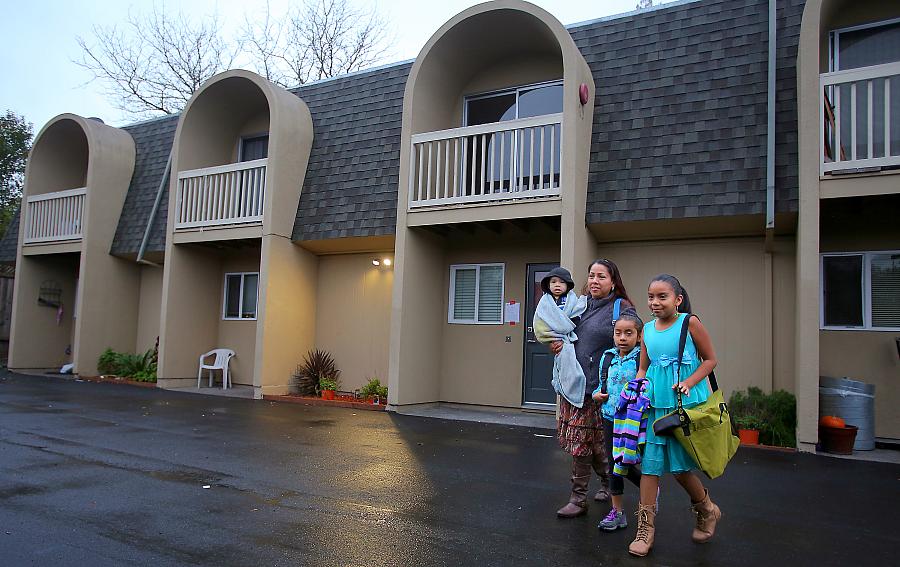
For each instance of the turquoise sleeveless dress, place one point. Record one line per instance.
(664, 454)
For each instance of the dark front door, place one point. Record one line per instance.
(538, 358)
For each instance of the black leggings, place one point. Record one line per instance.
(616, 483)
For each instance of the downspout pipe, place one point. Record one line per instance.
(770, 130)
(159, 191)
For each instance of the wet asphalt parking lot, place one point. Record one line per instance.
(104, 474)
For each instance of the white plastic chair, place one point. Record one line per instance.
(223, 357)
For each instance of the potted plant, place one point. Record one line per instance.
(327, 387)
(775, 415)
(748, 427)
(374, 392)
(317, 374)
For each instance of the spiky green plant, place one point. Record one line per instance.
(317, 371)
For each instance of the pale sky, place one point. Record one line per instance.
(39, 44)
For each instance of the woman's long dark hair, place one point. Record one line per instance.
(685, 306)
(618, 286)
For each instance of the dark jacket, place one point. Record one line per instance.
(595, 335)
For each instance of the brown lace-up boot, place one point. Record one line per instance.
(707, 515)
(646, 530)
(581, 476)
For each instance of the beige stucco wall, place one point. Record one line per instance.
(820, 17)
(871, 357)
(229, 105)
(477, 365)
(192, 308)
(149, 308)
(287, 313)
(859, 225)
(71, 151)
(726, 281)
(36, 340)
(462, 57)
(239, 336)
(353, 317)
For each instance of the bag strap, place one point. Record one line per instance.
(604, 371)
(682, 343)
(617, 309)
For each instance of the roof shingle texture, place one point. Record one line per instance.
(680, 111)
(353, 174)
(679, 128)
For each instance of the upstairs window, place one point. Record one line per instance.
(476, 294)
(862, 46)
(509, 159)
(241, 291)
(861, 291)
(254, 147)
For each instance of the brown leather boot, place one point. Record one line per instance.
(708, 514)
(646, 531)
(601, 466)
(581, 476)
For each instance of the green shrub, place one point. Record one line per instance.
(139, 367)
(374, 388)
(775, 414)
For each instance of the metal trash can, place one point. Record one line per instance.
(853, 401)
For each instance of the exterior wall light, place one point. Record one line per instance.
(386, 262)
(376, 263)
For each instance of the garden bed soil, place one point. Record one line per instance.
(341, 401)
(117, 380)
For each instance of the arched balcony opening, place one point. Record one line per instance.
(223, 156)
(485, 109)
(56, 185)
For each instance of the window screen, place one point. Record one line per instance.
(476, 294)
(885, 282)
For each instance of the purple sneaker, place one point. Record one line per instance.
(613, 521)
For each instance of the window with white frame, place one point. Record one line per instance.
(860, 290)
(476, 294)
(241, 290)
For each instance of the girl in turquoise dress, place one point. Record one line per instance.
(669, 303)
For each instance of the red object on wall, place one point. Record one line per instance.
(584, 94)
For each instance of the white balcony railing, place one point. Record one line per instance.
(860, 111)
(221, 195)
(503, 161)
(54, 217)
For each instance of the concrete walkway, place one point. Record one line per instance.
(106, 474)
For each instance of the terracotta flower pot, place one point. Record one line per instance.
(838, 440)
(748, 436)
(327, 394)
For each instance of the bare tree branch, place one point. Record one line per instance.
(317, 40)
(153, 64)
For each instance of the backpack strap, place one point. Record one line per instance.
(604, 371)
(617, 310)
(682, 343)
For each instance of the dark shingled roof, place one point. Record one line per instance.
(679, 128)
(680, 116)
(153, 140)
(353, 174)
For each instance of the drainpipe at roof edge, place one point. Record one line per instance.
(159, 192)
(770, 131)
(769, 247)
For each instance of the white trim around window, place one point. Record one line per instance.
(244, 313)
(474, 310)
(865, 291)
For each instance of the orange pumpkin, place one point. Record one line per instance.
(832, 421)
